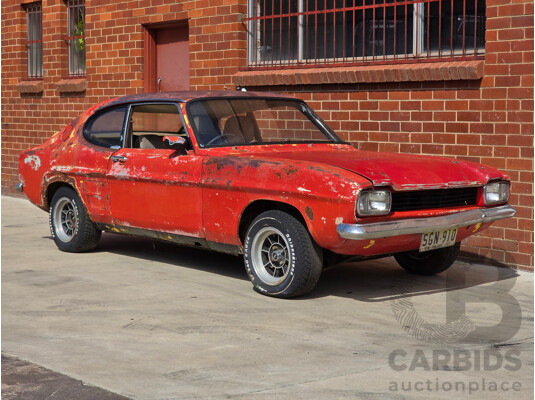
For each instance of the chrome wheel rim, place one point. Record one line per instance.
(270, 256)
(65, 219)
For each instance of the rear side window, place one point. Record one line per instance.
(106, 128)
(150, 123)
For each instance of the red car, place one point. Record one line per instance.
(254, 174)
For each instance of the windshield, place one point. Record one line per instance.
(236, 122)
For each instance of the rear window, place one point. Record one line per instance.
(106, 128)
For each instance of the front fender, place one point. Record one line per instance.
(324, 195)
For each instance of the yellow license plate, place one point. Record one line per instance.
(438, 240)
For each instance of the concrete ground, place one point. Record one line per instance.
(154, 321)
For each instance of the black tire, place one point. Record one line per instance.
(289, 270)
(70, 225)
(430, 262)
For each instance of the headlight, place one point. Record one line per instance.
(496, 193)
(374, 202)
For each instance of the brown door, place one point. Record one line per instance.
(172, 59)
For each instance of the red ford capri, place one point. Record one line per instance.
(254, 174)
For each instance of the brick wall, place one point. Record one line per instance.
(114, 40)
(484, 115)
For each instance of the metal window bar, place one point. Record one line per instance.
(76, 37)
(34, 42)
(297, 33)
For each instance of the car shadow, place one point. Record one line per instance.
(384, 280)
(169, 253)
(367, 281)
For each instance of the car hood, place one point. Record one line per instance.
(399, 171)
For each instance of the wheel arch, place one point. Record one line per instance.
(257, 207)
(52, 188)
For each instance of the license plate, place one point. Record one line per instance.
(437, 240)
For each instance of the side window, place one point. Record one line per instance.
(150, 123)
(106, 128)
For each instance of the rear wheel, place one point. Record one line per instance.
(281, 258)
(429, 262)
(70, 225)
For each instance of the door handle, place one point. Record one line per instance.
(120, 159)
(159, 81)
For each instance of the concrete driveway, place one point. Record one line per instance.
(154, 321)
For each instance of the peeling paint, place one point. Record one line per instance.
(34, 161)
(309, 213)
(290, 171)
(477, 227)
(303, 190)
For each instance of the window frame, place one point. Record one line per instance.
(419, 42)
(34, 21)
(127, 142)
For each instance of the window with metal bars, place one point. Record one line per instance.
(34, 41)
(298, 33)
(76, 37)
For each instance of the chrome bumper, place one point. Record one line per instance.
(422, 225)
(18, 187)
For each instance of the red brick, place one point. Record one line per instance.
(457, 105)
(522, 21)
(389, 105)
(462, 127)
(511, 34)
(444, 138)
(520, 93)
(433, 105)
(468, 116)
(520, 164)
(520, 116)
(369, 105)
(390, 126)
(432, 149)
(411, 105)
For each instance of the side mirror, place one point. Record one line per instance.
(176, 143)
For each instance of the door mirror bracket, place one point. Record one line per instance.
(177, 143)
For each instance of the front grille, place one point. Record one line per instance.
(426, 199)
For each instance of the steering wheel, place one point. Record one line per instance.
(224, 136)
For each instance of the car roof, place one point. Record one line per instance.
(185, 96)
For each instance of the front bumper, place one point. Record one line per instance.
(423, 225)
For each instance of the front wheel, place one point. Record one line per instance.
(281, 258)
(429, 262)
(70, 225)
